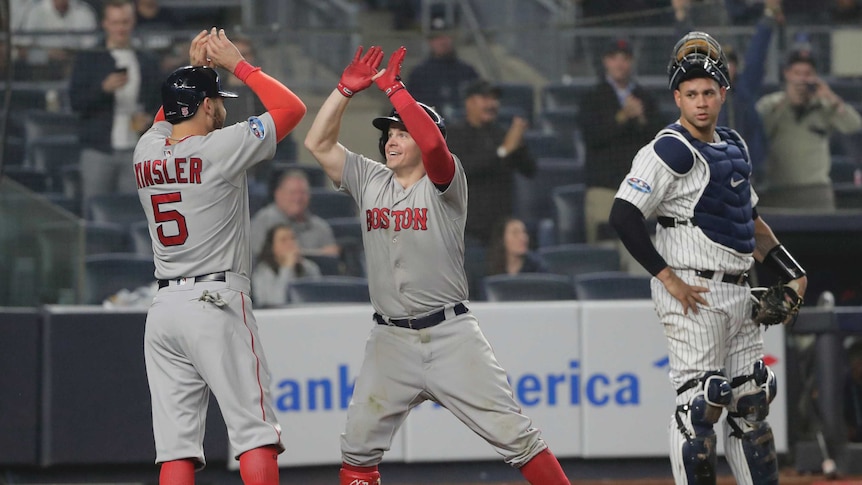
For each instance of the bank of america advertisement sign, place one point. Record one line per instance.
(591, 375)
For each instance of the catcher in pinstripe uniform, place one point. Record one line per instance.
(694, 176)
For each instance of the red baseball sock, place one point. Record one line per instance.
(358, 475)
(544, 469)
(177, 472)
(259, 466)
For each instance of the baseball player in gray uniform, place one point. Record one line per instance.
(425, 344)
(695, 177)
(201, 335)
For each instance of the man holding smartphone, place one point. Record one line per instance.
(115, 90)
(799, 122)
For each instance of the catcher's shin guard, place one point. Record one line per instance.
(749, 443)
(358, 475)
(750, 451)
(692, 438)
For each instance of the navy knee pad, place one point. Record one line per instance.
(701, 413)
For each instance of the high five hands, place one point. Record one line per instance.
(362, 71)
(213, 49)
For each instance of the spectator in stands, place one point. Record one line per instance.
(491, 155)
(150, 16)
(157, 25)
(405, 13)
(799, 121)
(740, 112)
(115, 90)
(290, 206)
(617, 117)
(509, 251)
(280, 262)
(441, 79)
(847, 12)
(54, 51)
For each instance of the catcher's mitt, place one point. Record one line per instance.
(775, 305)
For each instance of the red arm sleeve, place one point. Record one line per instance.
(160, 116)
(283, 105)
(438, 161)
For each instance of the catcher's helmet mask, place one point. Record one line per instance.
(382, 123)
(185, 89)
(696, 55)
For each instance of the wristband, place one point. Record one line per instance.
(345, 91)
(398, 86)
(243, 70)
(782, 263)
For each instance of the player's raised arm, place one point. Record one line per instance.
(438, 161)
(322, 137)
(281, 103)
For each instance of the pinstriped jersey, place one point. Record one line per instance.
(195, 195)
(658, 188)
(413, 237)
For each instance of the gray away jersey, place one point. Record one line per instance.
(195, 195)
(414, 237)
(654, 188)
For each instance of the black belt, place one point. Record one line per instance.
(671, 222)
(736, 279)
(422, 322)
(220, 276)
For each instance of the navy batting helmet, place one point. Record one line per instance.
(697, 54)
(382, 123)
(185, 89)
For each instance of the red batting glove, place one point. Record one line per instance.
(357, 75)
(390, 81)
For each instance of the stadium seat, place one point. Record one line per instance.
(542, 144)
(528, 287)
(532, 196)
(568, 201)
(348, 236)
(106, 274)
(52, 153)
(139, 234)
(40, 123)
(580, 258)
(330, 204)
(63, 246)
(329, 265)
(562, 121)
(518, 98)
(559, 95)
(475, 267)
(27, 97)
(843, 169)
(329, 289)
(612, 285)
(123, 209)
(34, 179)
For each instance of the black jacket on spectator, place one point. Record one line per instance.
(96, 107)
(491, 179)
(610, 147)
